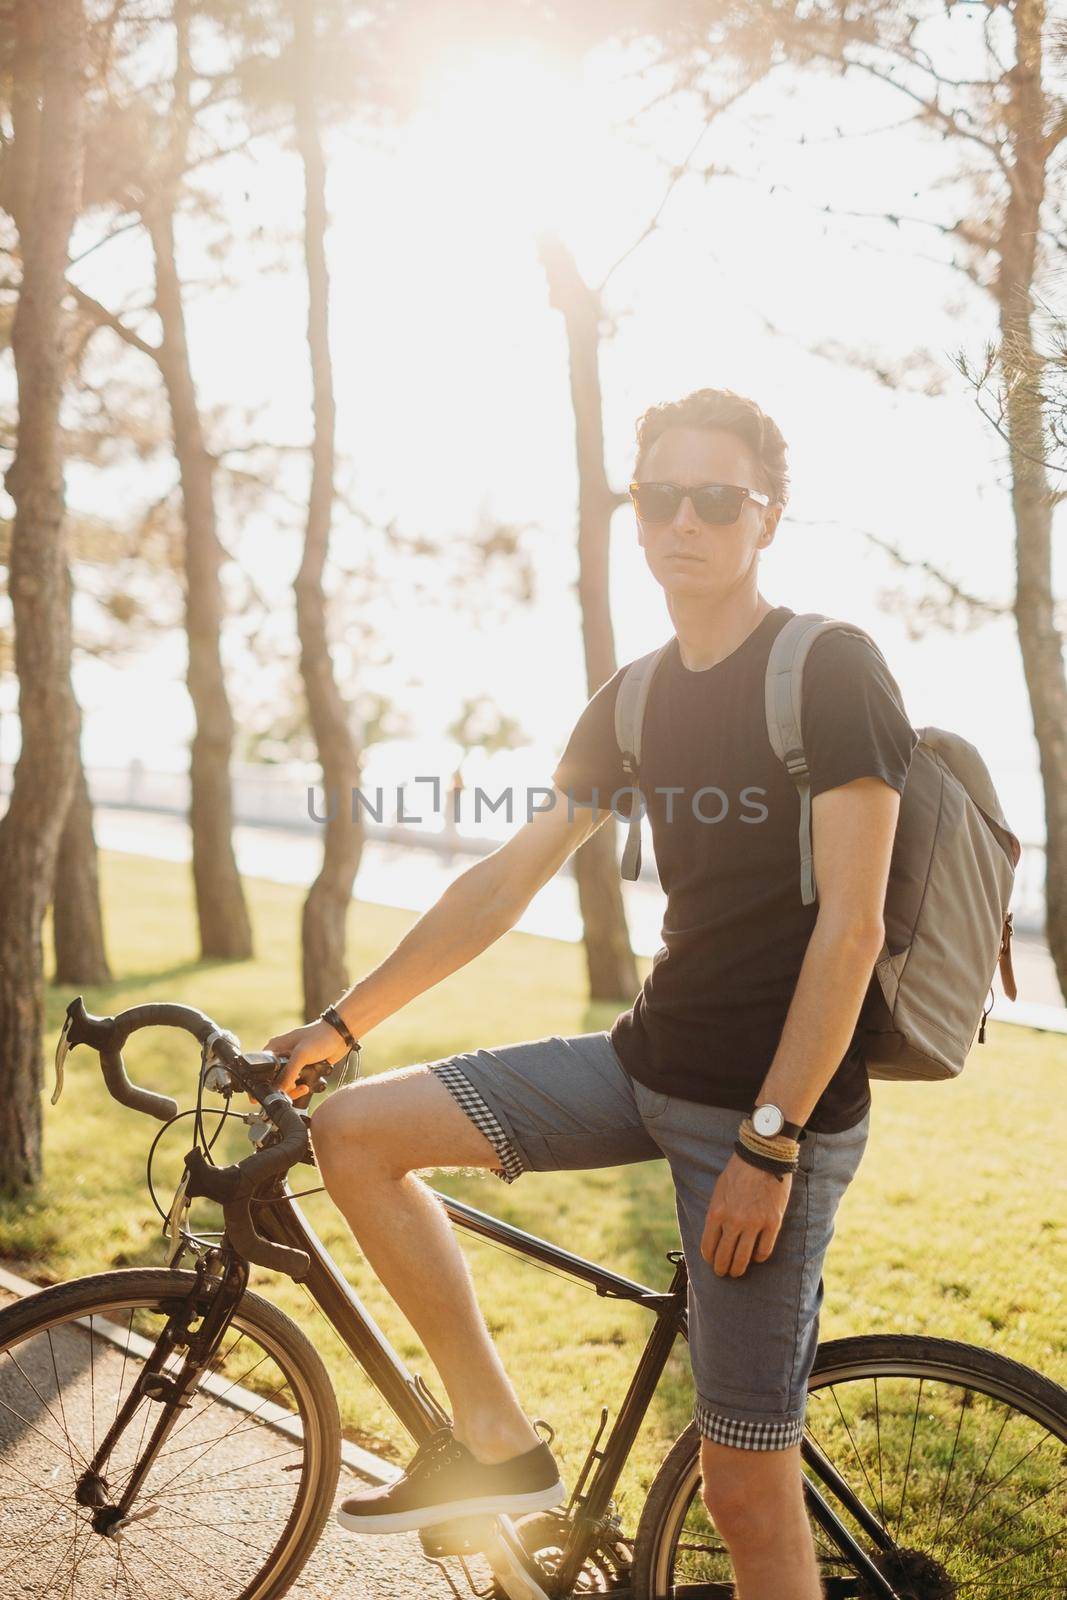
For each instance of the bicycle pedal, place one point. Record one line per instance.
(466, 1536)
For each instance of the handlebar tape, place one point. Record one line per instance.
(156, 1105)
(234, 1189)
(234, 1186)
(107, 1035)
(242, 1234)
(241, 1180)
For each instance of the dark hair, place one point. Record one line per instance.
(722, 408)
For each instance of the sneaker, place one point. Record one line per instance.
(444, 1480)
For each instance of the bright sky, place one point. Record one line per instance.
(452, 380)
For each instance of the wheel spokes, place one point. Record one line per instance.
(230, 1449)
(937, 1439)
(919, 1453)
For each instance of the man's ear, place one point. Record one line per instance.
(771, 518)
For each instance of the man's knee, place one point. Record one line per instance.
(402, 1121)
(349, 1127)
(747, 1492)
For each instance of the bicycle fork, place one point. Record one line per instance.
(170, 1390)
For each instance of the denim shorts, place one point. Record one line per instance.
(555, 1104)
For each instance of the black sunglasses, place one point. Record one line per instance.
(717, 503)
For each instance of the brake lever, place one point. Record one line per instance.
(62, 1051)
(176, 1216)
(103, 1035)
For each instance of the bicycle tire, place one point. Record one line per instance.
(156, 1289)
(859, 1356)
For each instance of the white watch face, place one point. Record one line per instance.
(767, 1120)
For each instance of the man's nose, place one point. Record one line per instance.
(685, 518)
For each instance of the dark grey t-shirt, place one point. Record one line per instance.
(707, 1021)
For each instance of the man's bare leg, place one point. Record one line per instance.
(756, 1501)
(370, 1139)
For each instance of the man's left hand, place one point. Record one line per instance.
(744, 1217)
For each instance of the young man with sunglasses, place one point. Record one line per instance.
(738, 1062)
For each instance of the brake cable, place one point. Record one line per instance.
(211, 1111)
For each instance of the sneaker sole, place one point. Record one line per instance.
(429, 1516)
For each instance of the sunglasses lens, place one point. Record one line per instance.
(720, 503)
(716, 503)
(655, 502)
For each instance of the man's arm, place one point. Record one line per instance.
(477, 907)
(853, 828)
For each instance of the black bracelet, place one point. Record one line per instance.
(766, 1163)
(338, 1023)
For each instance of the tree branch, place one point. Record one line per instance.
(898, 557)
(998, 427)
(108, 319)
(134, 222)
(1057, 133)
(931, 107)
(676, 176)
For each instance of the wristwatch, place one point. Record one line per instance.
(769, 1119)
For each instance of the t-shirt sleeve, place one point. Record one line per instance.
(591, 759)
(852, 721)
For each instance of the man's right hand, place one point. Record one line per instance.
(315, 1041)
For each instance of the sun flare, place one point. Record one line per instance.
(516, 144)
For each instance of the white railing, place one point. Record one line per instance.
(265, 797)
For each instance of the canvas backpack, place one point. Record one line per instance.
(947, 923)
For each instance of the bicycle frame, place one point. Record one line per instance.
(283, 1222)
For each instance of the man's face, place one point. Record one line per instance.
(690, 557)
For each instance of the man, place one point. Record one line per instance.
(751, 1003)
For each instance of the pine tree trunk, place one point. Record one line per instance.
(77, 923)
(326, 908)
(1040, 641)
(222, 915)
(47, 118)
(609, 957)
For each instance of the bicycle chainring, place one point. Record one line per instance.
(606, 1569)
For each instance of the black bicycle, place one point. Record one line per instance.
(166, 1432)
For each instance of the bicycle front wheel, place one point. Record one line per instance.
(237, 1495)
(947, 1466)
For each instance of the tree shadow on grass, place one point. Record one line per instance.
(97, 995)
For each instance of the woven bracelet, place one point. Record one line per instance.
(778, 1168)
(778, 1147)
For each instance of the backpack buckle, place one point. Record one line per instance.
(795, 764)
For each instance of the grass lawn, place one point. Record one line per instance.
(954, 1225)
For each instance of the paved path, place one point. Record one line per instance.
(171, 1555)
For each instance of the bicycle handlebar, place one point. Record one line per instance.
(107, 1035)
(234, 1186)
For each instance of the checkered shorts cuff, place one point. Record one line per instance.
(466, 1096)
(747, 1435)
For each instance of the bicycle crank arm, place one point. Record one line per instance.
(496, 1539)
(507, 1558)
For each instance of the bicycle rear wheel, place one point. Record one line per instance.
(236, 1498)
(953, 1466)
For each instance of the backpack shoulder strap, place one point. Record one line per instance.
(784, 687)
(629, 721)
